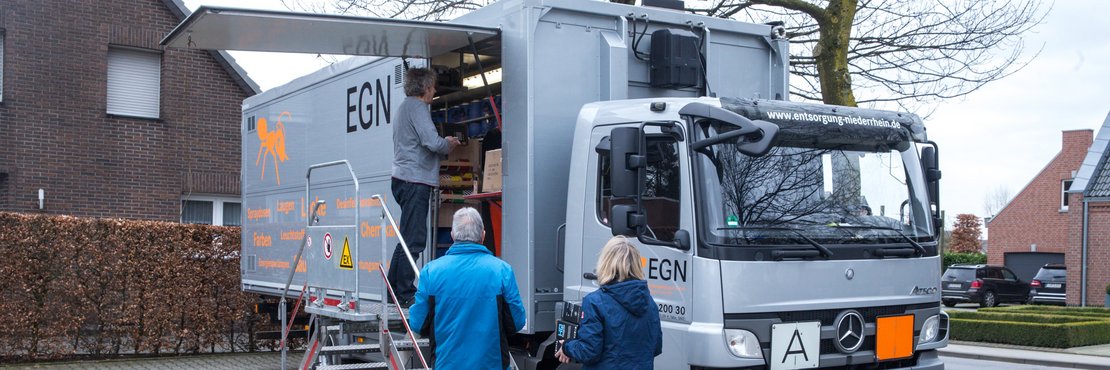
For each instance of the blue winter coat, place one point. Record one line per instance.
(461, 290)
(619, 330)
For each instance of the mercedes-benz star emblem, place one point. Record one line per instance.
(849, 331)
(850, 274)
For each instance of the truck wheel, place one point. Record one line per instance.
(989, 300)
(949, 304)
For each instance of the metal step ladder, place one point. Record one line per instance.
(336, 321)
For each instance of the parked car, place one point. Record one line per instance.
(983, 284)
(1049, 285)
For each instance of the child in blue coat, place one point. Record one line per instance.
(620, 328)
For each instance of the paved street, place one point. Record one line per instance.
(233, 361)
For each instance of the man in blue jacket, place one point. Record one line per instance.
(467, 302)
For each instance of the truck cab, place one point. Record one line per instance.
(761, 220)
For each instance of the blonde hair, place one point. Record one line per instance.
(619, 261)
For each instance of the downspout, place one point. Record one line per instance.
(1083, 264)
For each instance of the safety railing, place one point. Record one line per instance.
(388, 217)
(405, 321)
(285, 291)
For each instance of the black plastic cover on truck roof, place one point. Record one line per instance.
(214, 28)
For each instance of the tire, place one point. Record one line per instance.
(949, 304)
(989, 299)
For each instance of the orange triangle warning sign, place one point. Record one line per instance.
(345, 261)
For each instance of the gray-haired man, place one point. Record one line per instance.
(417, 149)
(468, 303)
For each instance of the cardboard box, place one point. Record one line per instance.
(447, 213)
(491, 173)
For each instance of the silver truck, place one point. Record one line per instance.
(774, 234)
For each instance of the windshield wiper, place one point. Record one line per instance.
(780, 254)
(918, 249)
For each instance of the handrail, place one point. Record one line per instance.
(285, 291)
(405, 321)
(405, 246)
(297, 257)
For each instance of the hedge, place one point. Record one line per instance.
(1029, 329)
(952, 258)
(1093, 312)
(104, 287)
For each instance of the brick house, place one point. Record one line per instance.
(1088, 252)
(1033, 229)
(110, 124)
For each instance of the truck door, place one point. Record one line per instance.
(665, 201)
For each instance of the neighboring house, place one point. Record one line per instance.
(110, 124)
(1033, 229)
(1088, 253)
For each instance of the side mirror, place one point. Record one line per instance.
(931, 164)
(626, 161)
(627, 219)
(757, 145)
(753, 138)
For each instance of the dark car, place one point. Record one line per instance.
(1050, 285)
(983, 284)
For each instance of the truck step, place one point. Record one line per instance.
(402, 345)
(352, 348)
(368, 365)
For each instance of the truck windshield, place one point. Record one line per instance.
(831, 184)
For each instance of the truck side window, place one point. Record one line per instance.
(662, 187)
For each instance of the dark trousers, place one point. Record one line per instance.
(413, 198)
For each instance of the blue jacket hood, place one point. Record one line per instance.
(633, 295)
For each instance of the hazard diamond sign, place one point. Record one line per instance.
(345, 261)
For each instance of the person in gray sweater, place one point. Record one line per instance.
(417, 149)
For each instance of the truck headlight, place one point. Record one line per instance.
(929, 330)
(743, 343)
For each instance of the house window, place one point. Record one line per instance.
(1065, 185)
(134, 80)
(212, 211)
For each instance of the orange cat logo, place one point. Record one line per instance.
(272, 144)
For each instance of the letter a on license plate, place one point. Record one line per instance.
(795, 345)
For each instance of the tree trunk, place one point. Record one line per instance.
(832, 53)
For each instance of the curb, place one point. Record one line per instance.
(1024, 361)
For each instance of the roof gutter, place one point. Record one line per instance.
(1083, 264)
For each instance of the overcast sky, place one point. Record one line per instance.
(999, 136)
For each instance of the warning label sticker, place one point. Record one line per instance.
(327, 246)
(345, 261)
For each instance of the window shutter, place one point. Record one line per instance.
(134, 78)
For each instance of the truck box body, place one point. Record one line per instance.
(556, 57)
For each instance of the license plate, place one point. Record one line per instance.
(1052, 286)
(953, 286)
(795, 345)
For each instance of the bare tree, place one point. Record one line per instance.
(996, 200)
(908, 53)
(427, 10)
(912, 53)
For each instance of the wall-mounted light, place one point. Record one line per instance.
(475, 81)
(42, 196)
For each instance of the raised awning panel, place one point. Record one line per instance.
(262, 30)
